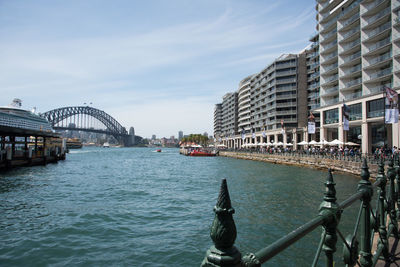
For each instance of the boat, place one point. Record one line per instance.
(198, 153)
(158, 150)
(13, 116)
(106, 145)
(74, 143)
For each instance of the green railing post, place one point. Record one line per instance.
(329, 208)
(223, 234)
(391, 174)
(383, 241)
(365, 187)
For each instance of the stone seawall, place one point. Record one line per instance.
(350, 167)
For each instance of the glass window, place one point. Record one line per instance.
(375, 108)
(331, 116)
(355, 112)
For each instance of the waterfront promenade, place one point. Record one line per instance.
(351, 165)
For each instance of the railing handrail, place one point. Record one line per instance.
(329, 217)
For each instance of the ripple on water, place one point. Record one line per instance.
(130, 206)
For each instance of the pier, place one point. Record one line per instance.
(24, 147)
(26, 139)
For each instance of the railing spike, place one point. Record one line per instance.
(223, 233)
(365, 170)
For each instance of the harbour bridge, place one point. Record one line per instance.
(88, 119)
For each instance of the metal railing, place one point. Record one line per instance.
(381, 222)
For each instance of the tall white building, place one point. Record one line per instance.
(359, 54)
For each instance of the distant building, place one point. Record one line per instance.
(180, 135)
(205, 134)
(132, 135)
(153, 137)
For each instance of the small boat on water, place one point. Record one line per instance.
(158, 150)
(198, 153)
(106, 144)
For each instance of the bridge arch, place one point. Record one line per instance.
(113, 127)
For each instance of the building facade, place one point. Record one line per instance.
(352, 58)
(271, 105)
(359, 56)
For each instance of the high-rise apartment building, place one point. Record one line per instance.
(229, 115)
(217, 120)
(266, 101)
(244, 105)
(359, 54)
(180, 135)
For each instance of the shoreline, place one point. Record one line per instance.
(340, 166)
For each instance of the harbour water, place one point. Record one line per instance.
(136, 207)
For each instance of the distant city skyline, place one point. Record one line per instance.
(157, 66)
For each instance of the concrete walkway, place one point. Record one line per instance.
(394, 251)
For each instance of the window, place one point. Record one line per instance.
(355, 112)
(331, 116)
(375, 108)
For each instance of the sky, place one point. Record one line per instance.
(159, 66)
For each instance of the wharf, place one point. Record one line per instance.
(27, 147)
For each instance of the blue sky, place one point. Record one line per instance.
(159, 66)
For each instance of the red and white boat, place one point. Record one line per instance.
(197, 153)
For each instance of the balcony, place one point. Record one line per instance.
(331, 67)
(327, 25)
(380, 44)
(379, 88)
(311, 55)
(350, 7)
(379, 30)
(290, 80)
(380, 73)
(352, 70)
(350, 33)
(330, 92)
(380, 58)
(313, 86)
(314, 75)
(374, 4)
(351, 57)
(329, 35)
(381, 14)
(329, 46)
(331, 56)
(350, 20)
(330, 79)
(285, 73)
(286, 96)
(351, 45)
(286, 65)
(313, 95)
(353, 82)
(287, 104)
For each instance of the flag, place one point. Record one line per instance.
(243, 134)
(263, 133)
(311, 124)
(391, 106)
(283, 129)
(311, 117)
(346, 117)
